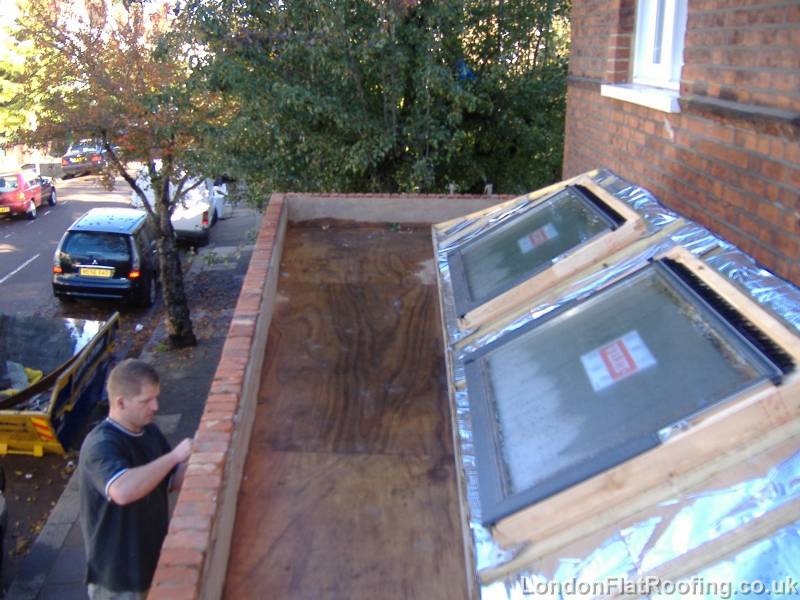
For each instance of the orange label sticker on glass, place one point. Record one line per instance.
(617, 360)
(536, 238)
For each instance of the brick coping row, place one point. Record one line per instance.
(194, 530)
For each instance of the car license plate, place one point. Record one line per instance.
(79, 159)
(4, 209)
(94, 272)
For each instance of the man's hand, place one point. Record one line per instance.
(182, 451)
(136, 483)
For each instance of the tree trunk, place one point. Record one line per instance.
(176, 305)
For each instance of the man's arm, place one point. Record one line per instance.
(177, 479)
(136, 483)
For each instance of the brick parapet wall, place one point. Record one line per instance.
(194, 555)
(731, 159)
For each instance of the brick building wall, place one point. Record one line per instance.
(730, 159)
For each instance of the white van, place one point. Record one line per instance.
(196, 212)
(219, 199)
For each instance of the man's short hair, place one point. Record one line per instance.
(128, 377)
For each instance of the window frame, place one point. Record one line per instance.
(656, 87)
(658, 50)
(463, 297)
(496, 504)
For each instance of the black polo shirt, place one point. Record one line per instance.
(122, 542)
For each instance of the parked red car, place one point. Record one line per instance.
(22, 192)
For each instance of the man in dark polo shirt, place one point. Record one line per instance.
(126, 469)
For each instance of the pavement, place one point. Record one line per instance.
(55, 566)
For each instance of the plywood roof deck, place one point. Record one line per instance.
(349, 489)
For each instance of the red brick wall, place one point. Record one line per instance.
(731, 158)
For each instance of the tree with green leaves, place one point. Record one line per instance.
(111, 71)
(389, 96)
(12, 117)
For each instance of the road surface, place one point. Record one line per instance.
(27, 247)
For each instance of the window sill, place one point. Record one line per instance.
(651, 97)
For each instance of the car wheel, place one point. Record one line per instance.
(31, 212)
(53, 199)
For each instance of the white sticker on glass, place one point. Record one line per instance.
(617, 360)
(536, 238)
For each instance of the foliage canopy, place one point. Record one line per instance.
(397, 95)
(112, 71)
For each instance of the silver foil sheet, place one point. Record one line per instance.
(654, 213)
(673, 527)
(779, 297)
(766, 569)
(625, 557)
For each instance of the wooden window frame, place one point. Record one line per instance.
(658, 43)
(579, 258)
(719, 438)
(497, 504)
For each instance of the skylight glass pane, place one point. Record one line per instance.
(529, 243)
(570, 397)
(659, 32)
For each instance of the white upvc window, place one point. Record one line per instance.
(658, 47)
